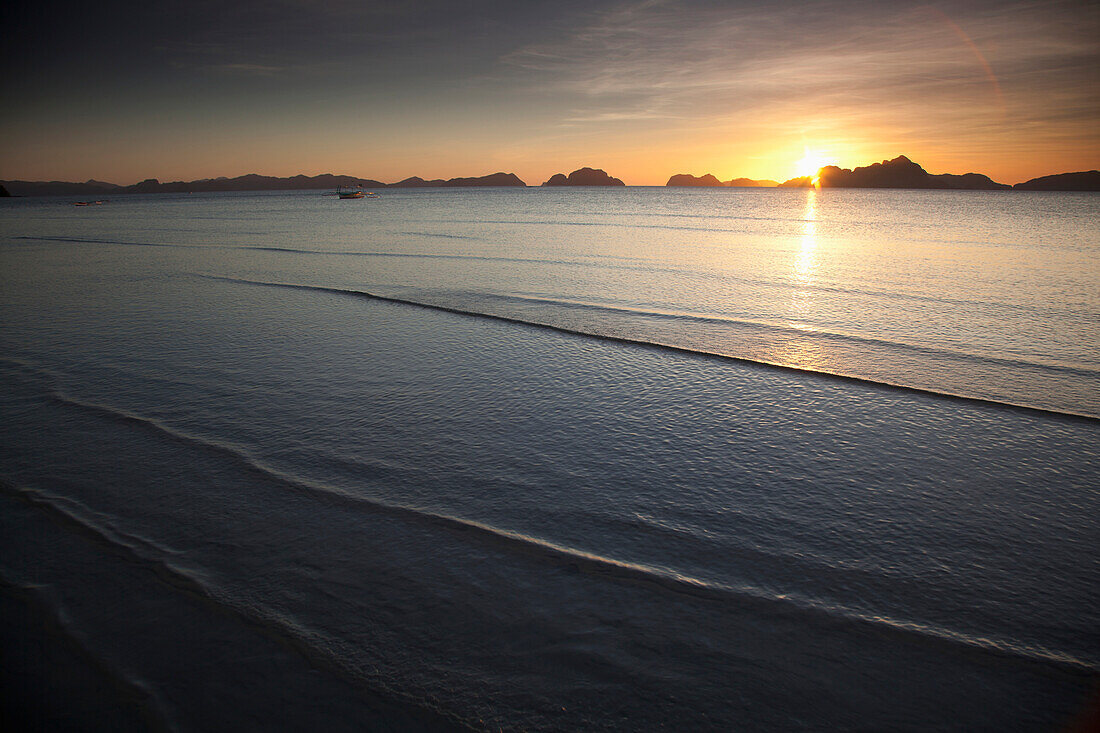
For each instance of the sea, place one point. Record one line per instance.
(561, 459)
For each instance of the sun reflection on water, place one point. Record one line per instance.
(804, 262)
(798, 351)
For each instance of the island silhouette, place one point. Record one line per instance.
(584, 177)
(900, 173)
(250, 182)
(1079, 181)
(494, 179)
(800, 182)
(686, 179)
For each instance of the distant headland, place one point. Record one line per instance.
(1080, 181)
(250, 182)
(901, 172)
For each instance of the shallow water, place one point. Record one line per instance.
(983, 294)
(542, 527)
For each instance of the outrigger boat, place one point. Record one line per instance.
(349, 192)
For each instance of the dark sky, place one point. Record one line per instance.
(126, 90)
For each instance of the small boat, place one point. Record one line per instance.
(88, 203)
(349, 192)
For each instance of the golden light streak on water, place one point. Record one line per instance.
(796, 351)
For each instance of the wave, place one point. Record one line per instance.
(789, 330)
(89, 240)
(934, 227)
(618, 265)
(721, 230)
(572, 558)
(608, 224)
(279, 626)
(348, 253)
(438, 235)
(634, 341)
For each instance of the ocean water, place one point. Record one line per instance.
(631, 459)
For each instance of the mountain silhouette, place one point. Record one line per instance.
(417, 182)
(59, 188)
(250, 182)
(751, 183)
(493, 179)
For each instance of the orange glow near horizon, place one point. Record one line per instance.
(809, 165)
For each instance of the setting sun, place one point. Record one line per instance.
(809, 165)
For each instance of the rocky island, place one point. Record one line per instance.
(493, 179)
(584, 177)
(901, 173)
(897, 173)
(685, 179)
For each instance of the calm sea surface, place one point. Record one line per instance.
(561, 459)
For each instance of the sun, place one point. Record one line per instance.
(810, 164)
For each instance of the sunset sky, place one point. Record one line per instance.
(121, 91)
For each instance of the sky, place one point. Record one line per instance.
(122, 91)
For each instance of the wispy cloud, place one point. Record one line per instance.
(248, 69)
(913, 67)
